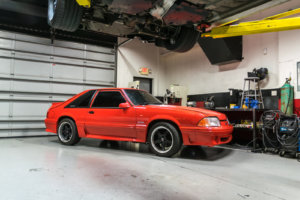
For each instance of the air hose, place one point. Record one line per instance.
(269, 119)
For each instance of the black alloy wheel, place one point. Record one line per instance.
(67, 132)
(164, 139)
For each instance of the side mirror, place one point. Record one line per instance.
(124, 105)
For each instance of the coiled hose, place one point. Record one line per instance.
(270, 125)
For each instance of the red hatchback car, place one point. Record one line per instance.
(136, 116)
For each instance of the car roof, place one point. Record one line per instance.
(117, 89)
(114, 89)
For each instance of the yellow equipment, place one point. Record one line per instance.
(84, 3)
(269, 24)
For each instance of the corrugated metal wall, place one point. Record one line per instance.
(34, 73)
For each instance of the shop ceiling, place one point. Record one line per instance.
(30, 17)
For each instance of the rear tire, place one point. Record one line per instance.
(281, 153)
(298, 156)
(185, 40)
(164, 139)
(64, 15)
(67, 132)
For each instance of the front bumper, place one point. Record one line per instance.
(207, 136)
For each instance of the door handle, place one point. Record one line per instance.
(91, 112)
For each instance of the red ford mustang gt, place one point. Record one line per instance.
(136, 116)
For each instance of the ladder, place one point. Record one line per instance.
(252, 94)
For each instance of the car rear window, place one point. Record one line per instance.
(82, 101)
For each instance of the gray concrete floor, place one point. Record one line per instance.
(41, 168)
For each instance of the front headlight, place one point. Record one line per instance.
(209, 122)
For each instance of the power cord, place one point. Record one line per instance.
(269, 120)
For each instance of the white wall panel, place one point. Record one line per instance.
(4, 107)
(6, 53)
(38, 48)
(68, 61)
(93, 74)
(30, 109)
(36, 69)
(34, 73)
(68, 45)
(7, 35)
(68, 72)
(25, 86)
(31, 39)
(4, 43)
(64, 88)
(5, 85)
(98, 64)
(69, 52)
(102, 57)
(5, 65)
(99, 49)
(134, 55)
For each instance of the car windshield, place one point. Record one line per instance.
(139, 97)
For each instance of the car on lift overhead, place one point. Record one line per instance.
(136, 116)
(172, 24)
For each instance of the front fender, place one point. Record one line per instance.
(163, 117)
(142, 130)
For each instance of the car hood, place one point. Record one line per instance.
(202, 111)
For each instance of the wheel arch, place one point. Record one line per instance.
(64, 117)
(172, 122)
(74, 138)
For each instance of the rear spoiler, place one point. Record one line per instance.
(56, 104)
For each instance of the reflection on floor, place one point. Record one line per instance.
(191, 152)
(42, 168)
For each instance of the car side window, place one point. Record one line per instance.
(82, 101)
(108, 99)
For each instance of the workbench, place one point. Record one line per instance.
(245, 114)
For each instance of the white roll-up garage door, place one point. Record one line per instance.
(34, 73)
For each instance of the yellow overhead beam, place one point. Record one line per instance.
(247, 28)
(84, 3)
(281, 15)
(270, 24)
(285, 14)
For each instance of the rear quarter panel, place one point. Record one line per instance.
(58, 110)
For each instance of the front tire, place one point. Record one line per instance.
(67, 132)
(281, 153)
(64, 15)
(164, 139)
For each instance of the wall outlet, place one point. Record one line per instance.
(274, 93)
